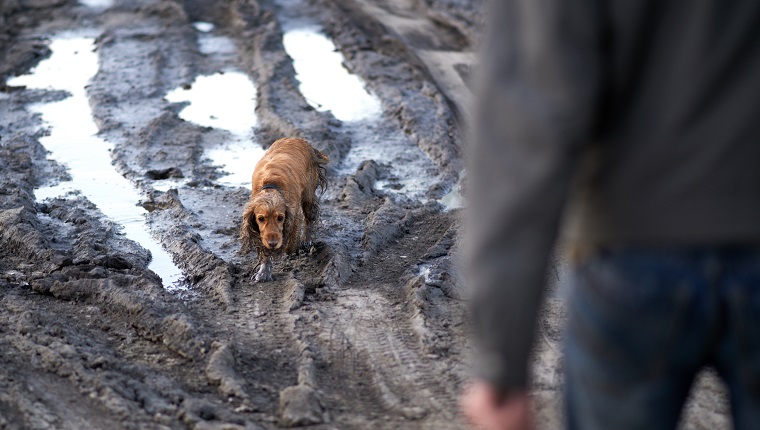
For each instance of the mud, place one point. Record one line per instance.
(367, 330)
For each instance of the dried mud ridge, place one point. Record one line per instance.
(368, 330)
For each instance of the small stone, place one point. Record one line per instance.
(300, 406)
(414, 413)
(245, 408)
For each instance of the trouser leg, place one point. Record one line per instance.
(634, 340)
(738, 357)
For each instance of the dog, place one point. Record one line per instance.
(283, 206)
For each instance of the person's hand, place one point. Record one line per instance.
(486, 408)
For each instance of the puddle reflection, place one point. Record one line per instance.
(203, 27)
(327, 85)
(452, 200)
(97, 3)
(324, 81)
(411, 172)
(210, 44)
(225, 101)
(72, 141)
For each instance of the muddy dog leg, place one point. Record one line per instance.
(295, 236)
(310, 212)
(265, 270)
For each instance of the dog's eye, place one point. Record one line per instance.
(280, 218)
(261, 219)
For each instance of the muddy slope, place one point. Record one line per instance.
(367, 330)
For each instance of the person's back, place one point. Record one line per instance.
(677, 129)
(645, 118)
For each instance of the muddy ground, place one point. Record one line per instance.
(368, 330)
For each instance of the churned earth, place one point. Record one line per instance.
(128, 131)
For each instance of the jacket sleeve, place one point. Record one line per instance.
(535, 108)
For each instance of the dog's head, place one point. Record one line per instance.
(265, 220)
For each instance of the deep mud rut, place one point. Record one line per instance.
(367, 330)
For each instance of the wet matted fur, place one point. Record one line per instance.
(283, 206)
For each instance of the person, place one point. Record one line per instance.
(628, 131)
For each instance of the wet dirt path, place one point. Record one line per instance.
(368, 330)
(227, 352)
(71, 141)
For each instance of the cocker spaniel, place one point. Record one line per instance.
(283, 206)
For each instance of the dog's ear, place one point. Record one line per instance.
(249, 229)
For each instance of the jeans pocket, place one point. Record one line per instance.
(628, 311)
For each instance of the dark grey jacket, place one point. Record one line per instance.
(638, 120)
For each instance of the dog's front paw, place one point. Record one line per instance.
(260, 277)
(263, 275)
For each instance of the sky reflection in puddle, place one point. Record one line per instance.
(453, 199)
(324, 81)
(225, 101)
(100, 4)
(211, 44)
(203, 27)
(327, 85)
(73, 142)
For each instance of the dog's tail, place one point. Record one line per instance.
(320, 160)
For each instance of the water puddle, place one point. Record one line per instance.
(324, 81)
(425, 271)
(453, 199)
(211, 44)
(410, 171)
(167, 184)
(97, 4)
(203, 27)
(327, 85)
(225, 101)
(72, 141)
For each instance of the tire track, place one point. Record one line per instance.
(396, 380)
(271, 343)
(439, 47)
(263, 343)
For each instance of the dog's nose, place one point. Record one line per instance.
(272, 243)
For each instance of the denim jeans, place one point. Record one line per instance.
(644, 322)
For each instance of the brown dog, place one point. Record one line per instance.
(283, 205)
